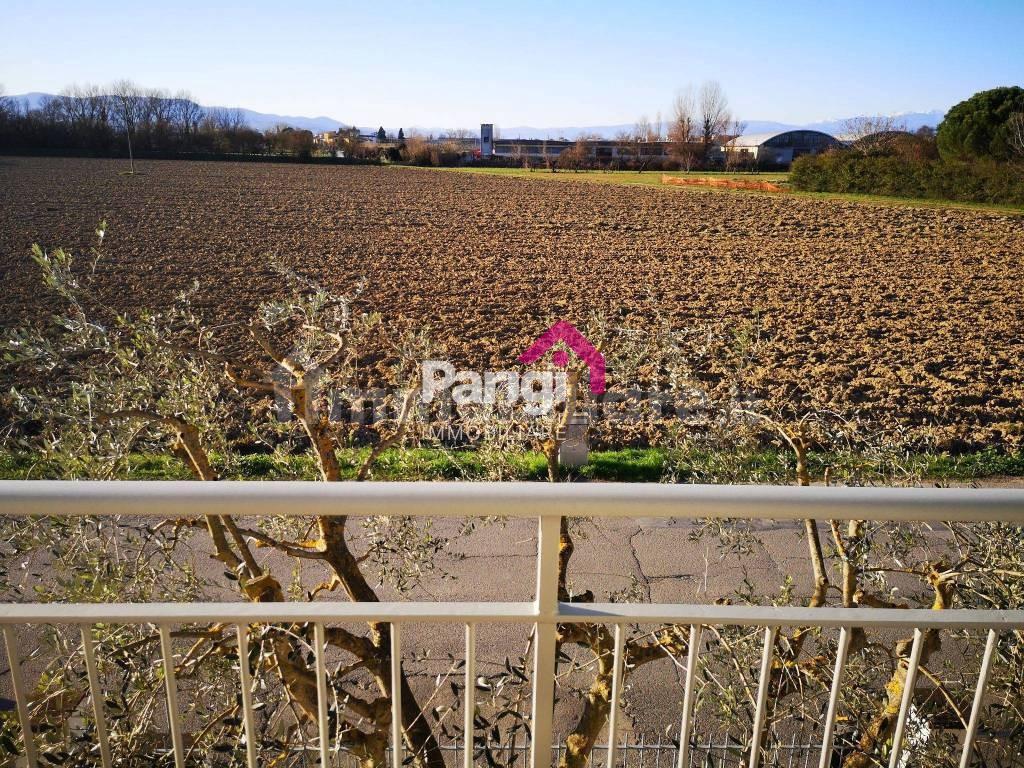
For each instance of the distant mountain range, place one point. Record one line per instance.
(262, 121)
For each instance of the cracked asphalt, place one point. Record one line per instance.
(634, 560)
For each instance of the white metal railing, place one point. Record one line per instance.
(548, 503)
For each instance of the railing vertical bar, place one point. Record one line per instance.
(324, 727)
(762, 696)
(173, 714)
(470, 698)
(20, 697)
(546, 607)
(908, 697)
(979, 695)
(833, 698)
(89, 651)
(688, 696)
(245, 681)
(396, 695)
(613, 717)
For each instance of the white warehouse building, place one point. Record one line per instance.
(780, 147)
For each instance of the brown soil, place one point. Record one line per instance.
(911, 317)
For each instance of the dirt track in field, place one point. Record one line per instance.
(912, 317)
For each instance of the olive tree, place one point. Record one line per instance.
(856, 563)
(96, 388)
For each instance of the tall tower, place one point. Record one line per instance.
(486, 139)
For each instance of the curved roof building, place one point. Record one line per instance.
(781, 147)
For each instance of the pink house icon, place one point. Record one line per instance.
(577, 342)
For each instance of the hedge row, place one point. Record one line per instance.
(979, 182)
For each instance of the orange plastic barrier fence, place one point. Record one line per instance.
(761, 186)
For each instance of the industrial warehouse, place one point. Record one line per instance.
(634, 150)
(764, 150)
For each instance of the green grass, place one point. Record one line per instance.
(630, 465)
(653, 179)
(646, 465)
(642, 178)
(916, 202)
(976, 466)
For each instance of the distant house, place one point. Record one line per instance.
(779, 148)
(326, 139)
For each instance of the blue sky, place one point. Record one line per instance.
(524, 63)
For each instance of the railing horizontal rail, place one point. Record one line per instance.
(498, 613)
(459, 499)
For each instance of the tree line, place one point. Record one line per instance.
(975, 155)
(699, 119)
(124, 118)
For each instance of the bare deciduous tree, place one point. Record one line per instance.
(872, 133)
(643, 129)
(457, 134)
(735, 159)
(1015, 126)
(187, 114)
(157, 111)
(645, 132)
(683, 129)
(714, 115)
(129, 107)
(683, 126)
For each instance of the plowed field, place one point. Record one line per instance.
(911, 317)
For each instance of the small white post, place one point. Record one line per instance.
(908, 698)
(20, 697)
(97, 695)
(319, 640)
(574, 450)
(685, 730)
(242, 631)
(396, 695)
(173, 715)
(979, 695)
(546, 609)
(613, 716)
(762, 695)
(470, 697)
(833, 699)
